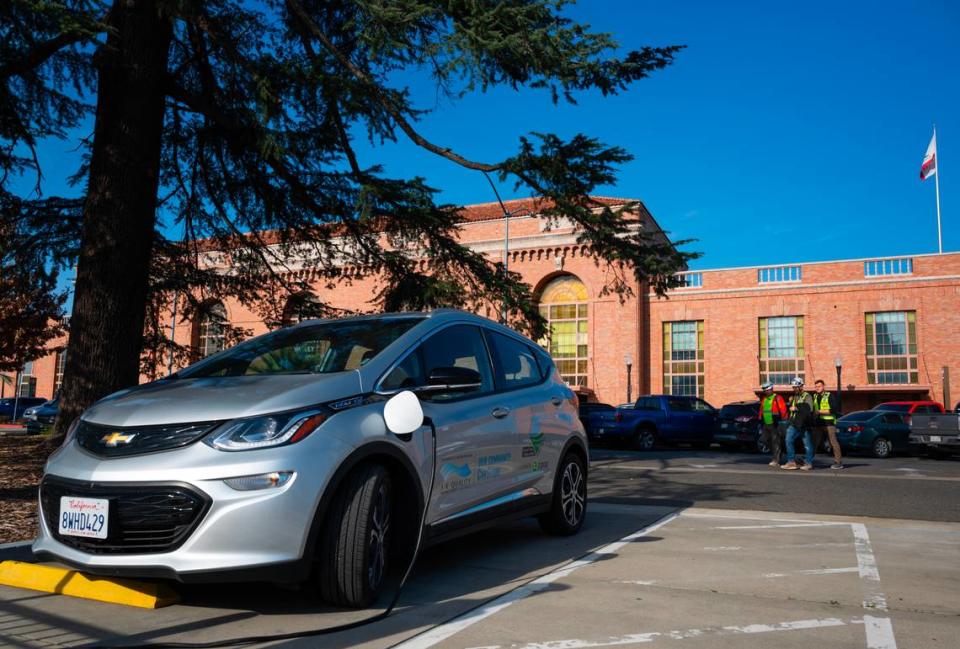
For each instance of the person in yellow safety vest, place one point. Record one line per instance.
(801, 415)
(773, 410)
(825, 410)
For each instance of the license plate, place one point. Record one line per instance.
(84, 517)
(935, 438)
(725, 424)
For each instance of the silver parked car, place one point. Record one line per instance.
(278, 460)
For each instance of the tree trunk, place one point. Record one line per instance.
(119, 214)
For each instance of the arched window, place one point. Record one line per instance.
(211, 330)
(563, 302)
(300, 307)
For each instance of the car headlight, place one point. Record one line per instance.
(266, 431)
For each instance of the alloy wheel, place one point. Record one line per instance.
(377, 548)
(881, 447)
(573, 493)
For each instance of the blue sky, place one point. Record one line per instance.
(782, 133)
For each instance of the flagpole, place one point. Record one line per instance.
(937, 184)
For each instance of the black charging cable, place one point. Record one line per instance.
(231, 642)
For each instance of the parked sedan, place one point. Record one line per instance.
(879, 432)
(42, 416)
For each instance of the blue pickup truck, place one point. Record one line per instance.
(658, 418)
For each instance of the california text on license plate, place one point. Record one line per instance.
(84, 516)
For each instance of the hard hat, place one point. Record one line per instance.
(797, 382)
(766, 386)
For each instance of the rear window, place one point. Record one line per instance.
(863, 415)
(893, 407)
(732, 412)
(595, 407)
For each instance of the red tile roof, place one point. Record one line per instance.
(493, 211)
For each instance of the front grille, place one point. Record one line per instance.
(143, 518)
(121, 441)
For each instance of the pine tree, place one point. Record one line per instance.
(234, 122)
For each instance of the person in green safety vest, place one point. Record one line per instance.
(773, 410)
(801, 416)
(825, 411)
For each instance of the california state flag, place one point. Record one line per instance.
(929, 166)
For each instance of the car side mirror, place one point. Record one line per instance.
(451, 379)
(402, 413)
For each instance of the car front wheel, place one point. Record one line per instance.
(569, 504)
(356, 539)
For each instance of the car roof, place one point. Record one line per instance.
(741, 403)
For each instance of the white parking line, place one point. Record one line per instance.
(819, 571)
(686, 634)
(879, 629)
(770, 527)
(442, 632)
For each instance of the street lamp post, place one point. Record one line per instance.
(629, 363)
(838, 362)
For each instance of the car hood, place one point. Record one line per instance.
(219, 398)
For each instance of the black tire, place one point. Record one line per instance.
(645, 440)
(882, 447)
(569, 504)
(355, 545)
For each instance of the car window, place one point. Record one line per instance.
(513, 361)
(647, 403)
(458, 346)
(702, 406)
(544, 361)
(862, 415)
(739, 410)
(892, 418)
(893, 407)
(407, 374)
(680, 405)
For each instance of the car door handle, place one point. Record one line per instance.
(556, 401)
(501, 412)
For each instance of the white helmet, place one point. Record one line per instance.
(797, 382)
(766, 386)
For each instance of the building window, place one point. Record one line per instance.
(691, 280)
(58, 372)
(563, 302)
(781, 349)
(879, 267)
(28, 383)
(300, 307)
(211, 333)
(683, 358)
(892, 347)
(779, 274)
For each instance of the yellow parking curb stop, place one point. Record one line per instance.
(50, 579)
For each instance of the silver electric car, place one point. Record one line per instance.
(279, 459)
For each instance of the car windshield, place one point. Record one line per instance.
(863, 415)
(322, 348)
(893, 407)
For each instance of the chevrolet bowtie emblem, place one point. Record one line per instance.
(115, 439)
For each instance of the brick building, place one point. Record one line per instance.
(892, 322)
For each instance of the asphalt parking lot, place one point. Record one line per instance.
(644, 571)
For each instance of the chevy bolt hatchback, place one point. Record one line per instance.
(274, 461)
